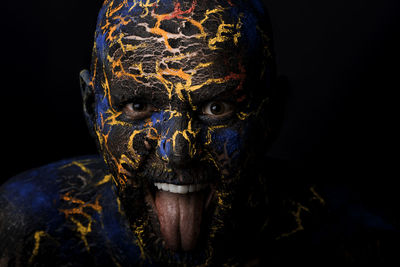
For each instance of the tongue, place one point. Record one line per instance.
(180, 218)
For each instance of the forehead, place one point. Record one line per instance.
(171, 47)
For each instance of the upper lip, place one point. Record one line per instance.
(191, 175)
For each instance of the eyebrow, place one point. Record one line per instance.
(213, 91)
(127, 90)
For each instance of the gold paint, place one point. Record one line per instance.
(122, 72)
(107, 178)
(81, 165)
(178, 57)
(210, 130)
(130, 47)
(220, 199)
(317, 196)
(112, 120)
(83, 230)
(132, 151)
(223, 30)
(174, 114)
(210, 158)
(220, 38)
(37, 236)
(242, 116)
(145, 5)
(139, 233)
(185, 133)
(69, 214)
(297, 216)
(174, 72)
(237, 35)
(124, 159)
(178, 89)
(159, 76)
(119, 206)
(213, 11)
(203, 65)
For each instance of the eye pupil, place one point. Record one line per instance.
(216, 108)
(138, 106)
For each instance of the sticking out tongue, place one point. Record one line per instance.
(180, 218)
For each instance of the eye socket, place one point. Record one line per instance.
(217, 109)
(138, 110)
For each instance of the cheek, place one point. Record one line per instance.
(227, 142)
(122, 145)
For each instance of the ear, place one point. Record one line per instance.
(88, 97)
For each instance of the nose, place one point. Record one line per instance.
(177, 145)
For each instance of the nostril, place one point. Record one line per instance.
(147, 145)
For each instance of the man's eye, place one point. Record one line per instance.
(217, 109)
(138, 111)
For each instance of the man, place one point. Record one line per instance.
(178, 101)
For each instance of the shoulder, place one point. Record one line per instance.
(39, 204)
(40, 189)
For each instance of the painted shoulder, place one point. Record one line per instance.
(65, 212)
(41, 191)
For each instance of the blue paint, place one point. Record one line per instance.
(157, 117)
(358, 213)
(27, 194)
(165, 148)
(100, 17)
(102, 106)
(19, 189)
(101, 46)
(226, 137)
(165, 6)
(249, 30)
(116, 231)
(258, 6)
(249, 15)
(166, 127)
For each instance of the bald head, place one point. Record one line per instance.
(180, 46)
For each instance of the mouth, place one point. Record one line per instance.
(180, 211)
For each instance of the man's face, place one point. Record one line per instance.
(178, 114)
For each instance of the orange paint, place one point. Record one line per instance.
(177, 13)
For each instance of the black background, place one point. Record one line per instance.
(338, 59)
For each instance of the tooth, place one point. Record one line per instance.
(165, 187)
(173, 188)
(183, 189)
(192, 188)
(180, 189)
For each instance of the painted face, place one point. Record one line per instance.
(180, 94)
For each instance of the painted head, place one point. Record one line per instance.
(177, 99)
